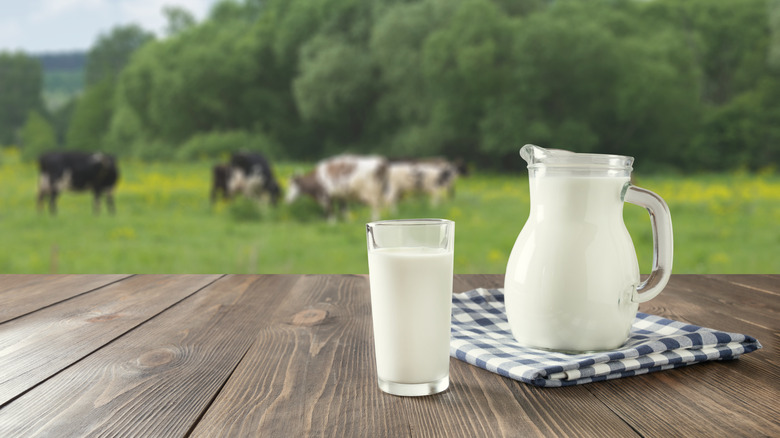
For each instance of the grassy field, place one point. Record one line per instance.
(725, 223)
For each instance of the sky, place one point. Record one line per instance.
(46, 26)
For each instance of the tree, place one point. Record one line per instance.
(335, 89)
(476, 79)
(405, 101)
(200, 81)
(91, 117)
(726, 39)
(743, 133)
(589, 78)
(112, 51)
(61, 117)
(464, 67)
(37, 136)
(21, 82)
(733, 46)
(179, 20)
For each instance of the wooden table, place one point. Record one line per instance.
(292, 356)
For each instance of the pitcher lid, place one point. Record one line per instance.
(540, 157)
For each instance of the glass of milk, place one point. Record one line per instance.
(410, 274)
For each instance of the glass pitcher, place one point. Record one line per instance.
(572, 281)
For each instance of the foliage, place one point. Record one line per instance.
(91, 118)
(179, 19)
(218, 145)
(37, 136)
(60, 87)
(63, 79)
(195, 82)
(20, 93)
(61, 117)
(93, 112)
(598, 85)
(112, 51)
(686, 85)
(746, 130)
(732, 46)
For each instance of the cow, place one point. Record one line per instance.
(432, 177)
(248, 173)
(219, 182)
(77, 171)
(343, 178)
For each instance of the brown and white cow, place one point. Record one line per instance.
(432, 177)
(77, 171)
(341, 179)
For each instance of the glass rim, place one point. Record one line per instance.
(410, 222)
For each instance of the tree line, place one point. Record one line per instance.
(686, 85)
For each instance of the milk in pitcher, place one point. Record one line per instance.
(567, 263)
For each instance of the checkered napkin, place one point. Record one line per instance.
(481, 336)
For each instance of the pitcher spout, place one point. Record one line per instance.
(539, 158)
(528, 152)
(533, 154)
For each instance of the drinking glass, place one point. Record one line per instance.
(410, 275)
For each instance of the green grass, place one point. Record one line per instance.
(724, 223)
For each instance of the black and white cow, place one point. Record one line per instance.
(433, 177)
(220, 174)
(77, 171)
(248, 173)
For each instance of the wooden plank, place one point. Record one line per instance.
(490, 405)
(732, 398)
(467, 282)
(705, 399)
(724, 295)
(766, 283)
(310, 369)
(39, 345)
(481, 403)
(324, 382)
(159, 379)
(693, 401)
(716, 304)
(341, 374)
(722, 305)
(22, 294)
(305, 369)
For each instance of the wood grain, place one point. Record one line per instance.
(22, 294)
(39, 345)
(293, 356)
(324, 383)
(766, 283)
(308, 379)
(511, 408)
(711, 399)
(154, 381)
(714, 398)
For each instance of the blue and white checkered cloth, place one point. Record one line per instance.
(481, 336)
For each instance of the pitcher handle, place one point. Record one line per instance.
(663, 244)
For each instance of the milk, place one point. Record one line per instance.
(573, 270)
(411, 301)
